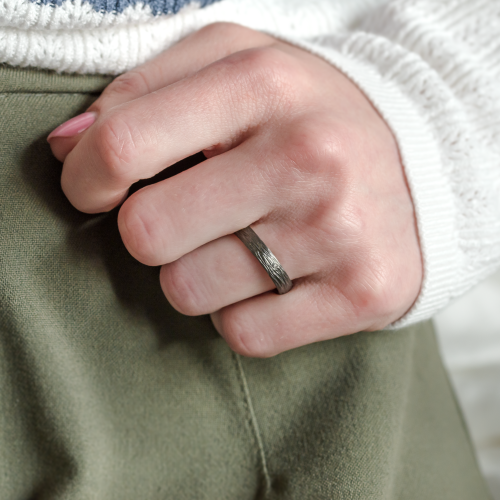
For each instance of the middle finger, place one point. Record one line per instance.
(164, 221)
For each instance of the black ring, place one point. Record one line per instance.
(267, 259)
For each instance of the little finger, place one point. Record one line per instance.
(269, 324)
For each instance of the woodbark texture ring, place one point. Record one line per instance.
(267, 259)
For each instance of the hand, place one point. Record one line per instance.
(294, 149)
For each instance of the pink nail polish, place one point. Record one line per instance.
(74, 126)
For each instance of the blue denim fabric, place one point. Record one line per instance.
(158, 7)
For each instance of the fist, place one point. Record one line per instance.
(293, 149)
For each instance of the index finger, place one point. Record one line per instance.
(184, 59)
(138, 139)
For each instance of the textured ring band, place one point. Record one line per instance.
(267, 259)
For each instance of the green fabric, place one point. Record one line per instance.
(108, 393)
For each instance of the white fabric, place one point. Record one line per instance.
(74, 38)
(432, 71)
(430, 68)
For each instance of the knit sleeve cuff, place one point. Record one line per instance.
(430, 189)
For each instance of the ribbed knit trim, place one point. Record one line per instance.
(79, 14)
(75, 38)
(430, 190)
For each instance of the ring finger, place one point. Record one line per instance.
(224, 271)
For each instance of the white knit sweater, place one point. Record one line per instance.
(430, 67)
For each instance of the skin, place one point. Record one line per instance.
(294, 149)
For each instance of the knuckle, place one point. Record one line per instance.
(315, 153)
(260, 60)
(369, 288)
(182, 289)
(220, 29)
(131, 83)
(270, 68)
(351, 221)
(263, 71)
(242, 336)
(314, 157)
(338, 230)
(313, 147)
(115, 148)
(137, 229)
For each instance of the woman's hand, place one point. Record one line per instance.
(294, 149)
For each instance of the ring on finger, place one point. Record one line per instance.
(266, 258)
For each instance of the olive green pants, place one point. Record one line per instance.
(108, 393)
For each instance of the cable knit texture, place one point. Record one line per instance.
(444, 61)
(72, 36)
(430, 68)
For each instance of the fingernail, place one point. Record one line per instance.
(74, 126)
